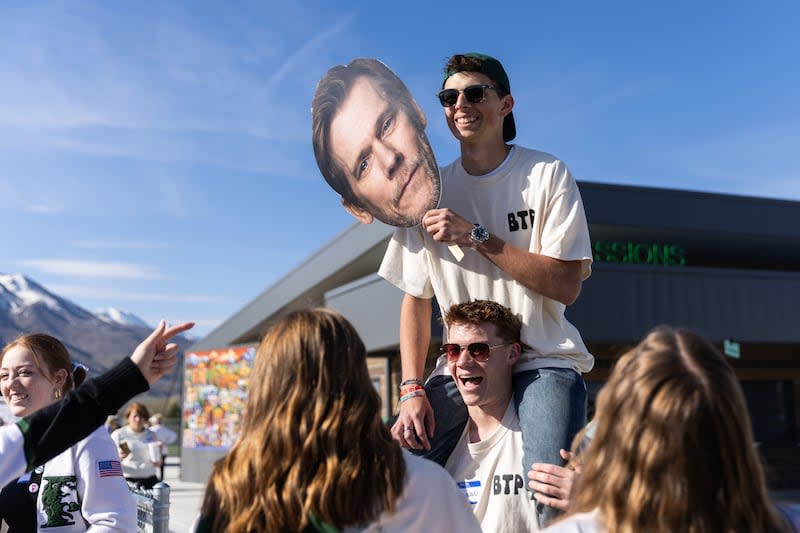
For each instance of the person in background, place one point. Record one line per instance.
(37, 438)
(314, 454)
(112, 423)
(165, 436)
(672, 448)
(136, 445)
(80, 489)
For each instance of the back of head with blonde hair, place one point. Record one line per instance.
(673, 448)
(312, 441)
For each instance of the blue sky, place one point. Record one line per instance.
(155, 156)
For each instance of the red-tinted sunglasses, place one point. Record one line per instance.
(479, 351)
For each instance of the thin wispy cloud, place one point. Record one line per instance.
(122, 245)
(200, 324)
(107, 294)
(250, 154)
(310, 47)
(565, 105)
(93, 269)
(133, 193)
(42, 209)
(759, 160)
(143, 102)
(44, 90)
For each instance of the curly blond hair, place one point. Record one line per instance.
(673, 448)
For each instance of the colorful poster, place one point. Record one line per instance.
(215, 394)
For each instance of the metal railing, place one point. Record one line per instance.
(152, 508)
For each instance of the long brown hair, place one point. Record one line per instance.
(312, 439)
(673, 448)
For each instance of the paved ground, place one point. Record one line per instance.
(185, 498)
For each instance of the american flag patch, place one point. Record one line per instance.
(109, 468)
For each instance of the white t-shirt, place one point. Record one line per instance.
(138, 464)
(530, 201)
(164, 435)
(577, 523)
(430, 502)
(488, 474)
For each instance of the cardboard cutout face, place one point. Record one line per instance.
(369, 140)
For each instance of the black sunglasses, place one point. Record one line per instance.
(477, 350)
(473, 94)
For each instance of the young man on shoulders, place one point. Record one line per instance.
(518, 217)
(483, 346)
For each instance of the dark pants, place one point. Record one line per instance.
(163, 464)
(143, 483)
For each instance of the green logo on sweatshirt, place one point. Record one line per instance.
(59, 499)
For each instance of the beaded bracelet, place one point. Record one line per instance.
(413, 394)
(413, 381)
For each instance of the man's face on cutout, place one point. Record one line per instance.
(386, 157)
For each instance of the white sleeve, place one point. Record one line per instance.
(454, 506)
(106, 502)
(137, 463)
(434, 501)
(115, 435)
(12, 453)
(167, 436)
(565, 234)
(405, 263)
(577, 523)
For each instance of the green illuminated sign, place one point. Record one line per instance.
(639, 253)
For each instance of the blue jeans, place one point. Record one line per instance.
(551, 406)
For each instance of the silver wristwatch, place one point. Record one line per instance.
(478, 235)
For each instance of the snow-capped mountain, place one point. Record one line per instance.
(18, 293)
(98, 342)
(112, 315)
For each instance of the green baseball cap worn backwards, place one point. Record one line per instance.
(492, 68)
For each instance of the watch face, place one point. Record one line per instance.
(479, 234)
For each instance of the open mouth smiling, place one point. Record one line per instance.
(17, 400)
(470, 381)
